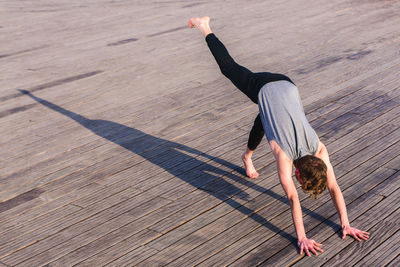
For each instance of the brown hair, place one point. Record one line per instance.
(313, 173)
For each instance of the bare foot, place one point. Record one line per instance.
(198, 22)
(203, 24)
(250, 170)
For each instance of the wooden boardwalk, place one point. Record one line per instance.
(120, 140)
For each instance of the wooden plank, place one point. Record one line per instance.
(63, 223)
(42, 251)
(16, 228)
(351, 121)
(233, 202)
(395, 261)
(81, 249)
(359, 145)
(379, 250)
(172, 119)
(257, 234)
(47, 214)
(130, 259)
(41, 203)
(361, 132)
(350, 86)
(80, 203)
(366, 221)
(110, 125)
(119, 152)
(347, 99)
(192, 210)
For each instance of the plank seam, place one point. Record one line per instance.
(393, 259)
(72, 204)
(353, 240)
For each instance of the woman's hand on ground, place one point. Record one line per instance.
(309, 245)
(355, 233)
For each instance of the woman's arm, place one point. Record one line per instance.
(337, 198)
(284, 172)
(284, 166)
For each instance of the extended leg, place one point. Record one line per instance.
(239, 75)
(246, 81)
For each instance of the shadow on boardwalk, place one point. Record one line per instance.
(149, 147)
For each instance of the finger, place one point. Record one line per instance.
(344, 235)
(318, 244)
(301, 250)
(313, 251)
(319, 249)
(364, 238)
(308, 252)
(356, 238)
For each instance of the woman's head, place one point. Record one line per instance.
(311, 173)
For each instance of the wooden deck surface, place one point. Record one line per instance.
(120, 140)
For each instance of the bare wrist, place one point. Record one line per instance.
(300, 239)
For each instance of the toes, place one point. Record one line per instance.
(253, 175)
(190, 24)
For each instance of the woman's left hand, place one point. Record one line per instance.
(357, 234)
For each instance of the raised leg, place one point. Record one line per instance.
(239, 75)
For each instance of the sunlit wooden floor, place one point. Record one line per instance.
(120, 140)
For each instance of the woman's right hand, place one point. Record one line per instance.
(308, 245)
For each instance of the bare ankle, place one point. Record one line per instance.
(247, 154)
(202, 23)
